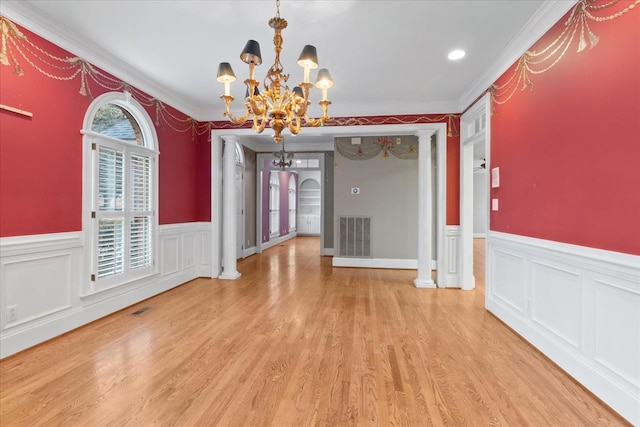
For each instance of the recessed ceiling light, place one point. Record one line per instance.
(456, 54)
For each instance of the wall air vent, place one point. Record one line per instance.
(354, 233)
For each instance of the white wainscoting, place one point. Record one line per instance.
(42, 291)
(579, 306)
(451, 275)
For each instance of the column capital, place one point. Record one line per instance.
(229, 138)
(425, 133)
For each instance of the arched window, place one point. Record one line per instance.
(121, 197)
(293, 195)
(274, 204)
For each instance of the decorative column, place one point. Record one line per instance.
(229, 265)
(425, 210)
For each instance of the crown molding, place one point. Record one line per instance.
(32, 19)
(546, 17)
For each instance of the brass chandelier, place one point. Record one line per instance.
(276, 103)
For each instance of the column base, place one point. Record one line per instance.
(424, 283)
(229, 276)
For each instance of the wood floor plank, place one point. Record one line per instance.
(295, 342)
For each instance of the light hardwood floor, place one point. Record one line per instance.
(295, 342)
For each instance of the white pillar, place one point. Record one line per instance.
(229, 265)
(425, 209)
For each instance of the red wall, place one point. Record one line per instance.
(41, 157)
(453, 176)
(203, 167)
(569, 150)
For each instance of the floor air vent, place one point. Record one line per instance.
(140, 311)
(355, 236)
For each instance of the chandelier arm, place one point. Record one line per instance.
(257, 105)
(304, 105)
(294, 125)
(259, 123)
(233, 119)
(313, 122)
(319, 121)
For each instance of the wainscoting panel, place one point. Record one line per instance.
(37, 286)
(189, 251)
(42, 288)
(510, 278)
(617, 347)
(555, 301)
(204, 251)
(452, 250)
(579, 306)
(170, 255)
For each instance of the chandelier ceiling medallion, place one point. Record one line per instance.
(276, 103)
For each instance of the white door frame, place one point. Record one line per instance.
(474, 128)
(424, 238)
(239, 182)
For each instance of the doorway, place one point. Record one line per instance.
(474, 132)
(424, 130)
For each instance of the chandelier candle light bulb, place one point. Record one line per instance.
(276, 103)
(226, 76)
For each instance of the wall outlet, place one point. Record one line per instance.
(12, 313)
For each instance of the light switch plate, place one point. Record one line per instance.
(494, 204)
(495, 177)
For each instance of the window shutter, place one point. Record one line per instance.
(140, 243)
(110, 205)
(140, 230)
(140, 183)
(110, 246)
(110, 179)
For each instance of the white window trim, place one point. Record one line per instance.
(89, 194)
(274, 203)
(293, 205)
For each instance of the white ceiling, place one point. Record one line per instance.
(386, 57)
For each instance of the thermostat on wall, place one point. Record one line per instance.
(355, 190)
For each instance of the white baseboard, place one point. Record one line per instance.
(409, 264)
(249, 251)
(277, 240)
(579, 306)
(328, 252)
